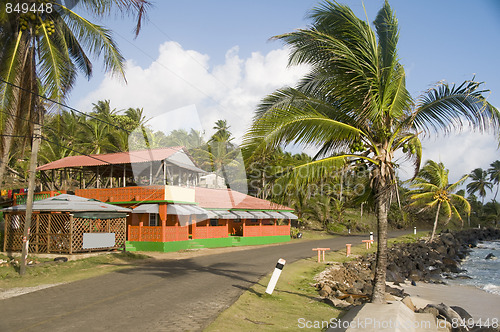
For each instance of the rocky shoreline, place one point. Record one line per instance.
(350, 283)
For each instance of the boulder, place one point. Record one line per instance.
(490, 256)
(462, 312)
(325, 291)
(408, 302)
(336, 302)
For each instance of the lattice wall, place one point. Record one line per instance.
(59, 233)
(83, 225)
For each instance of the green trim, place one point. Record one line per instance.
(231, 241)
(145, 202)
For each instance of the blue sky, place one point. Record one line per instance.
(213, 59)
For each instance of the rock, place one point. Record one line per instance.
(431, 310)
(336, 302)
(447, 313)
(325, 291)
(389, 297)
(394, 291)
(415, 275)
(394, 276)
(413, 283)
(448, 262)
(462, 312)
(349, 299)
(408, 302)
(490, 256)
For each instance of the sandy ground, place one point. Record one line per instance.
(478, 303)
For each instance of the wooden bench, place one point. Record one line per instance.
(321, 250)
(368, 243)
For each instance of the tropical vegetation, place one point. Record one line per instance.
(432, 190)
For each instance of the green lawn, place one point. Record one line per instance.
(49, 272)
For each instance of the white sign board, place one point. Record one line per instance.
(98, 240)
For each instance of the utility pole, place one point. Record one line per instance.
(37, 131)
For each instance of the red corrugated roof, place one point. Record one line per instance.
(112, 158)
(229, 199)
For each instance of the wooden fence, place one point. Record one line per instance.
(59, 232)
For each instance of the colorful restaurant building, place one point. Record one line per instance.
(171, 210)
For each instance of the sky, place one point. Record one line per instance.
(198, 61)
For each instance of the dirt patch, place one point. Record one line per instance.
(11, 292)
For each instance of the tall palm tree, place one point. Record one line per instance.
(432, 189)
(479, 183)
(494, 172)
(355, 97)
(43, 51)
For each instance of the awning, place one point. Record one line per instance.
(69, 203)
(212, 215)
(186, 210)
(196, 211)
(224, 214)
(243, 214)
(289, 215)
(147, 208)
(275, 215)
(260, 215)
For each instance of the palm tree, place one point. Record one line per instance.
(494, 172)
(41, 54)
(355, 97)
(492, 211)
(321, 210)
(432, 189)
(222, 132)
(479, 183)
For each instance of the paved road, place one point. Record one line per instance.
(164, 295)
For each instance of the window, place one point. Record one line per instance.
(214, 222)
(153, 219)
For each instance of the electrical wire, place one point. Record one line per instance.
(63, 105)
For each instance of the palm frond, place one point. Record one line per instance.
(446, 108)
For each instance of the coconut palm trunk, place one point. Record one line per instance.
(435, 222)
(378, 295)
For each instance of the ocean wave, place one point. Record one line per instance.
(490, 288)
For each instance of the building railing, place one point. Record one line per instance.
(20, 199)
(210, 232)
(124, 194)
(157, 233)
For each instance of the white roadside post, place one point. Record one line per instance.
(371, 236)
(275, 276)
(414, 230)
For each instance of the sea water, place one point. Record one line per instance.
(484, 273)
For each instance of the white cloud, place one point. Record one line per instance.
(181, 89)
(182, 78)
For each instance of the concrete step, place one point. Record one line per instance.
(129, 246)
(394, 317)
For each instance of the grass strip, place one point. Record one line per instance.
(49, 272)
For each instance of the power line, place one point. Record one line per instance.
(63, 105)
